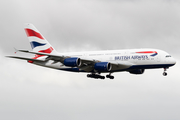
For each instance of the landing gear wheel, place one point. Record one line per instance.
(111, 77)
(107, 76)
(88, 75)
(164, 73)
(95, 76)
(102, 77)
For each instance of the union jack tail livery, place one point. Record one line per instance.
(37, 40)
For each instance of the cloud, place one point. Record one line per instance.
(130, 24)
(33, 92)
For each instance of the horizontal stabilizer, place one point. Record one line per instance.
(40, 53)
(23, 58)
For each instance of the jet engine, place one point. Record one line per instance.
(103, 66)
(137, 71)
(72, 62)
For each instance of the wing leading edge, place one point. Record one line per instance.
(86, 63)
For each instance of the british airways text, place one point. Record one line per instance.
(131, 57)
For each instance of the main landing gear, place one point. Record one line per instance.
(110, 76)
(98, 76)
(165, 73)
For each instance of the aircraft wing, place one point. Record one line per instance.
(120, 65)
(87, 64)
(57, 57)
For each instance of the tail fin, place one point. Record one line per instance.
(37, 40)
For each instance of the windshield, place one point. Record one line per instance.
(168, 56)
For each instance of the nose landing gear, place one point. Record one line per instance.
(165, 73)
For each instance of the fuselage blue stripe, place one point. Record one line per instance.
(154, 54)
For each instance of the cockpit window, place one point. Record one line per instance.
(168, 56)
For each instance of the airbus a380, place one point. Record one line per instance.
(134, 61)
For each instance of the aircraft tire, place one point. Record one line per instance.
(88, 75)
(111, 77)
(102, 77)
(164, 74)
(107, 76)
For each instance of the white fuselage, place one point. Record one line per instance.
(133, 59)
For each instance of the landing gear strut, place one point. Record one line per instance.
(110, 76)
(165, 73)
(96, 76)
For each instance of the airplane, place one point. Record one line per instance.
(134, 61)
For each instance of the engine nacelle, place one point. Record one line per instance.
(72, 62)
(102, 66)
(137, 71)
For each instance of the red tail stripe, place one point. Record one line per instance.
(49, 50)
(30, 33)
(147, 52)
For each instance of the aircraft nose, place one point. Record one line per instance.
(173, 61)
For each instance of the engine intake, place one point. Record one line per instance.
(102, 66)
(137, 71)
(72, 62)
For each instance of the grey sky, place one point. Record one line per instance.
(35, 93)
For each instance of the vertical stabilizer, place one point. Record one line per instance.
(37, 40)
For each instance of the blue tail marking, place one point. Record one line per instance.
(36, 44)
